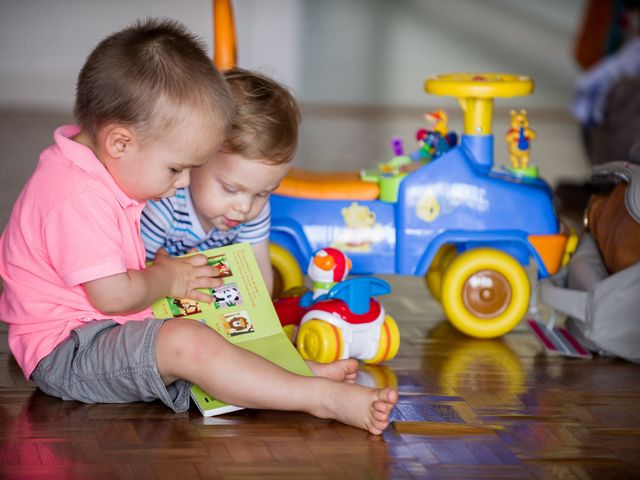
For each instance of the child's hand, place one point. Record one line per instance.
(188, 274)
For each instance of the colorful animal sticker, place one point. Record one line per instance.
(237, 323)
(181, 307)
(428, 208)
(362, 229)
(220, 263)
(226, 296)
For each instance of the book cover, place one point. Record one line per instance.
(242, 312)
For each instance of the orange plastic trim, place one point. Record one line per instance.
(550, 248)
(327, 186)
(224, 35)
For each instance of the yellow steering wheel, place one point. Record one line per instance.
(475, 93)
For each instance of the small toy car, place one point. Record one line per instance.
(339, 318)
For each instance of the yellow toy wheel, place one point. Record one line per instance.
(439, 264)
(286, 271)
(319, 341)
(485, 293)
(475, 93)
(389, 341)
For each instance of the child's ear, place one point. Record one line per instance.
(118, 140)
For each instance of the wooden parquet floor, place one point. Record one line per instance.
(491, 409)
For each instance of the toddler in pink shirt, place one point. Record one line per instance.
(150, 106)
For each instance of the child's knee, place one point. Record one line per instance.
(184, 338)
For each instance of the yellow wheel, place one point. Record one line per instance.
(286, 271)
(439, 264)
(475, 93)
(485, 293)
(389, 341)
(319, 341)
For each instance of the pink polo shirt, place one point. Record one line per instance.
(71, 224)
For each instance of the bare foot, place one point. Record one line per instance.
(338, 371)
(359, 406)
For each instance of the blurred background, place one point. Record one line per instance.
(356, 66)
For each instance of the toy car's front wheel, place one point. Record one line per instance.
(485, 293)
(286, 271)
(389, 341)
(319, 341)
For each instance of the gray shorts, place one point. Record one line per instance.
(105, 362)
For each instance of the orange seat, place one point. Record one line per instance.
(327, 186)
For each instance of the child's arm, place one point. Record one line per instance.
(261, 252)
(135, 290)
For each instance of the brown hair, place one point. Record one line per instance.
(266, 123)
(132, 74)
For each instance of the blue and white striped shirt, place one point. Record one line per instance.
(172, 223)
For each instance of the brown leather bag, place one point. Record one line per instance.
(615, 231)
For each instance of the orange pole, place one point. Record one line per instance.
(224, 35)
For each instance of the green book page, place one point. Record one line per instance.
(279, 349)
(242, 308)
(242, 312)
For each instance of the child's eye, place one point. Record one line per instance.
(228, 189)
(263, 194)
(176, 171)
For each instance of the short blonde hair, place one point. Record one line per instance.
(134, 74)
(267, 118)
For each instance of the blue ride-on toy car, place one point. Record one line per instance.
(471, 228)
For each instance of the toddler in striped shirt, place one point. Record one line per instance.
(228, 198)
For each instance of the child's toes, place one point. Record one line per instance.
(388, 395)
(351, 366)
(377, 426)
(382, 406)
(380, 416)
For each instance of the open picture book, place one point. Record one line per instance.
(242, 312)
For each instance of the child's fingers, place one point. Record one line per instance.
(205, 280)
(196, 260)
(209, 282)
(200, 296)
(207, 271)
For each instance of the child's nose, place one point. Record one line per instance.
(184, 179)
(244, 205)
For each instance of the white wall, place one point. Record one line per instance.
(43, 43)
(328, 51)
(399, 43)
